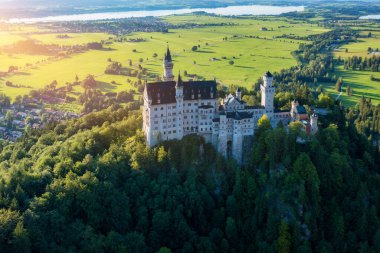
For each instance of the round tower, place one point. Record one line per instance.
(238, 93)
(168, 67)
(314, 123)
(293, 111)
(267, 93)
(179, 107)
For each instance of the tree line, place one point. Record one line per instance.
(363, 64)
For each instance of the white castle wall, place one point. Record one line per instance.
(173, 121)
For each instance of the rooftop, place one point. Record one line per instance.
(268, 74)
(164, 92)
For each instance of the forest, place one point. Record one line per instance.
(92, 185)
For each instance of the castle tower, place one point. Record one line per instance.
(168, 67)
(179, 107)
(293, 111)
(314, 123)
(147, 119)
(237, 141)
(222, 138)
(267, 93)
(238, 93)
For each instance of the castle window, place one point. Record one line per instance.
(155, 109)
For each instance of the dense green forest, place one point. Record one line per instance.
(92, 185)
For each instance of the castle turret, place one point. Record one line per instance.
(222, 138)
(168, 67)
(179, 107)
(314, 123)
(147, 118)
(293, 111)
(267, 93)
(238, 93)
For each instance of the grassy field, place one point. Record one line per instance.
(9, 38)
(251, 56)
(73, 38)
(360, 48)
(359, 81)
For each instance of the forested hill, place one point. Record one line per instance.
(91, 185)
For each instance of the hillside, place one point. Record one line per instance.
(91, 185)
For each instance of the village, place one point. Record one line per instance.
(16, 119)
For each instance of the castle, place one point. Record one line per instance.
(173, 109)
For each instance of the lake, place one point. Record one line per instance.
(228, 11)
(370, 17)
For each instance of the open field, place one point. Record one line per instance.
(253, 52)
(361, 84)
(359, 81)
(73, 38)
(360, 48)
(9, 38)
(19, 60)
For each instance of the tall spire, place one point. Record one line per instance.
(168, 56)
(268, 74)
(179, 82)
(168, 66)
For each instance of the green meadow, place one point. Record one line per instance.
(72, 38)
(359, 81)
(252, 51)
(359, 48)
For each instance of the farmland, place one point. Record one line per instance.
(238, 53)
(359, 81)
(361, 84)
